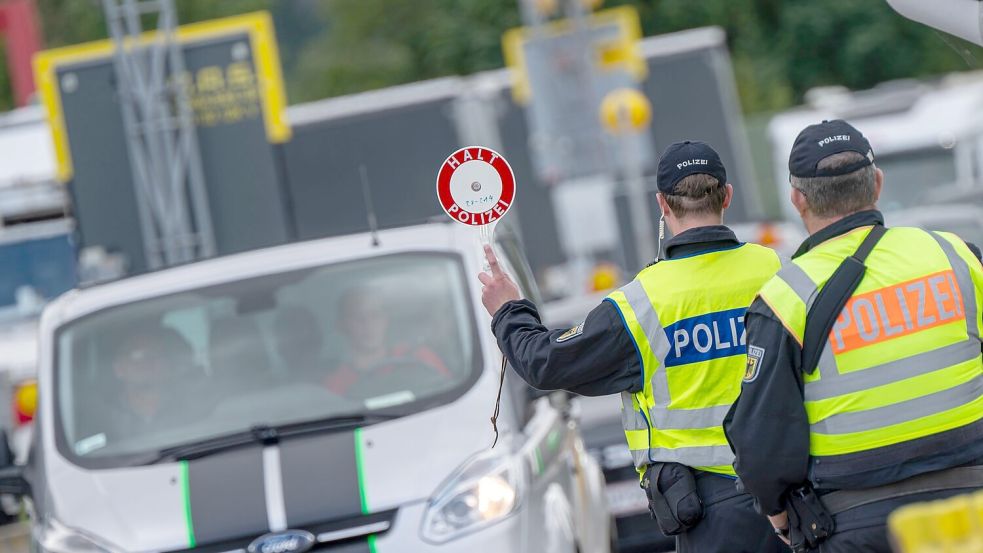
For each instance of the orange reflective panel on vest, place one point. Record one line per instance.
(898, 310)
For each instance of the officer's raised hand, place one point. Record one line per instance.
(498, 288)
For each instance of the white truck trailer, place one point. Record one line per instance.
(927, 137)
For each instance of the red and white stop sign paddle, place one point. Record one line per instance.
(475, 186)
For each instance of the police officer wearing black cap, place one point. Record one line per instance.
(864, 384)
(672, 343)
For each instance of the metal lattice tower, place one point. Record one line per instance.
(168, 180)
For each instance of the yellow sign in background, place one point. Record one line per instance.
(217, 94)
(622, 53)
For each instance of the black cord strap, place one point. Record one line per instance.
(498, 403)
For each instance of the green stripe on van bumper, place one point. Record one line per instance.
(360, 468)
(186, 499)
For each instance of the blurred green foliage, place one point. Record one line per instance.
(780, 48)
(373, 43)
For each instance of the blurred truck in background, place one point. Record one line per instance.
(38, 260)
(391, 140)
(399, 135)
(927, 138)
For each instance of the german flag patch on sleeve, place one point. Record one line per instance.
(754, 357)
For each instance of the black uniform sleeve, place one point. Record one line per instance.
(595, 359)
(767, 426)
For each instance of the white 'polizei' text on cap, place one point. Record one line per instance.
(835, 138)
(692, 162)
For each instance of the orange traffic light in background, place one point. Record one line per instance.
(25, 401)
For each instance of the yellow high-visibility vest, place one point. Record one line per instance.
(686, 317)
(903, 359)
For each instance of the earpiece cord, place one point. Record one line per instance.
(498, 403)
(662, 234)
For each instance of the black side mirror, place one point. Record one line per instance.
(11, 476)
(6, 455)
(12, 481)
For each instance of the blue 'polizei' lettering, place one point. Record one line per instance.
(705, 337)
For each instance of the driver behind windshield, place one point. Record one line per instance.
(148, 363)
(365, 323)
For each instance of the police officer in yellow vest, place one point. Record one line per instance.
(892, 411)
(672, 343)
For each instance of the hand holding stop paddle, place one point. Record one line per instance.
(476, 187)
(498, 288)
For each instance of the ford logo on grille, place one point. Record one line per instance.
(288, 541)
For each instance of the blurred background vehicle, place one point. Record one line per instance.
(38, 261)
(965, 220)
(927, 136)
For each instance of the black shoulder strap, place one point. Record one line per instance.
(833, 297)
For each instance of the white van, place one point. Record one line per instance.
(331, 395)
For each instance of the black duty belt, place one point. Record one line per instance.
(949, 479)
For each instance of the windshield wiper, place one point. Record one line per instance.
(264, 435)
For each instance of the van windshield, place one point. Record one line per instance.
(389, 335)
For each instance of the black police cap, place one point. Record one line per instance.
(682, 159)
(817, 142)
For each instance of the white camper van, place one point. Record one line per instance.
(927, 137)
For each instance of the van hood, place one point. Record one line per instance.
(334, 481)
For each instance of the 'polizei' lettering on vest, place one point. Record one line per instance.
(897, 310)
(692, 162)
(705, 337)
(835, 138)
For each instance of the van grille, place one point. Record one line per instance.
(337, 535)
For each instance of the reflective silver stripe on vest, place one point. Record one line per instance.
(661, 416)
(894, 371)
(965, 281)
(658, 341)
(827, 363)
(806, 289)
(702, 456)
(897, 413)
(631, 418)
(684, 419)
(799, 282)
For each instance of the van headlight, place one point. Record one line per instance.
(54, 537)
(485, 490)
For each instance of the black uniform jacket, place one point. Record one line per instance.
(599, 357)
(767, 427)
